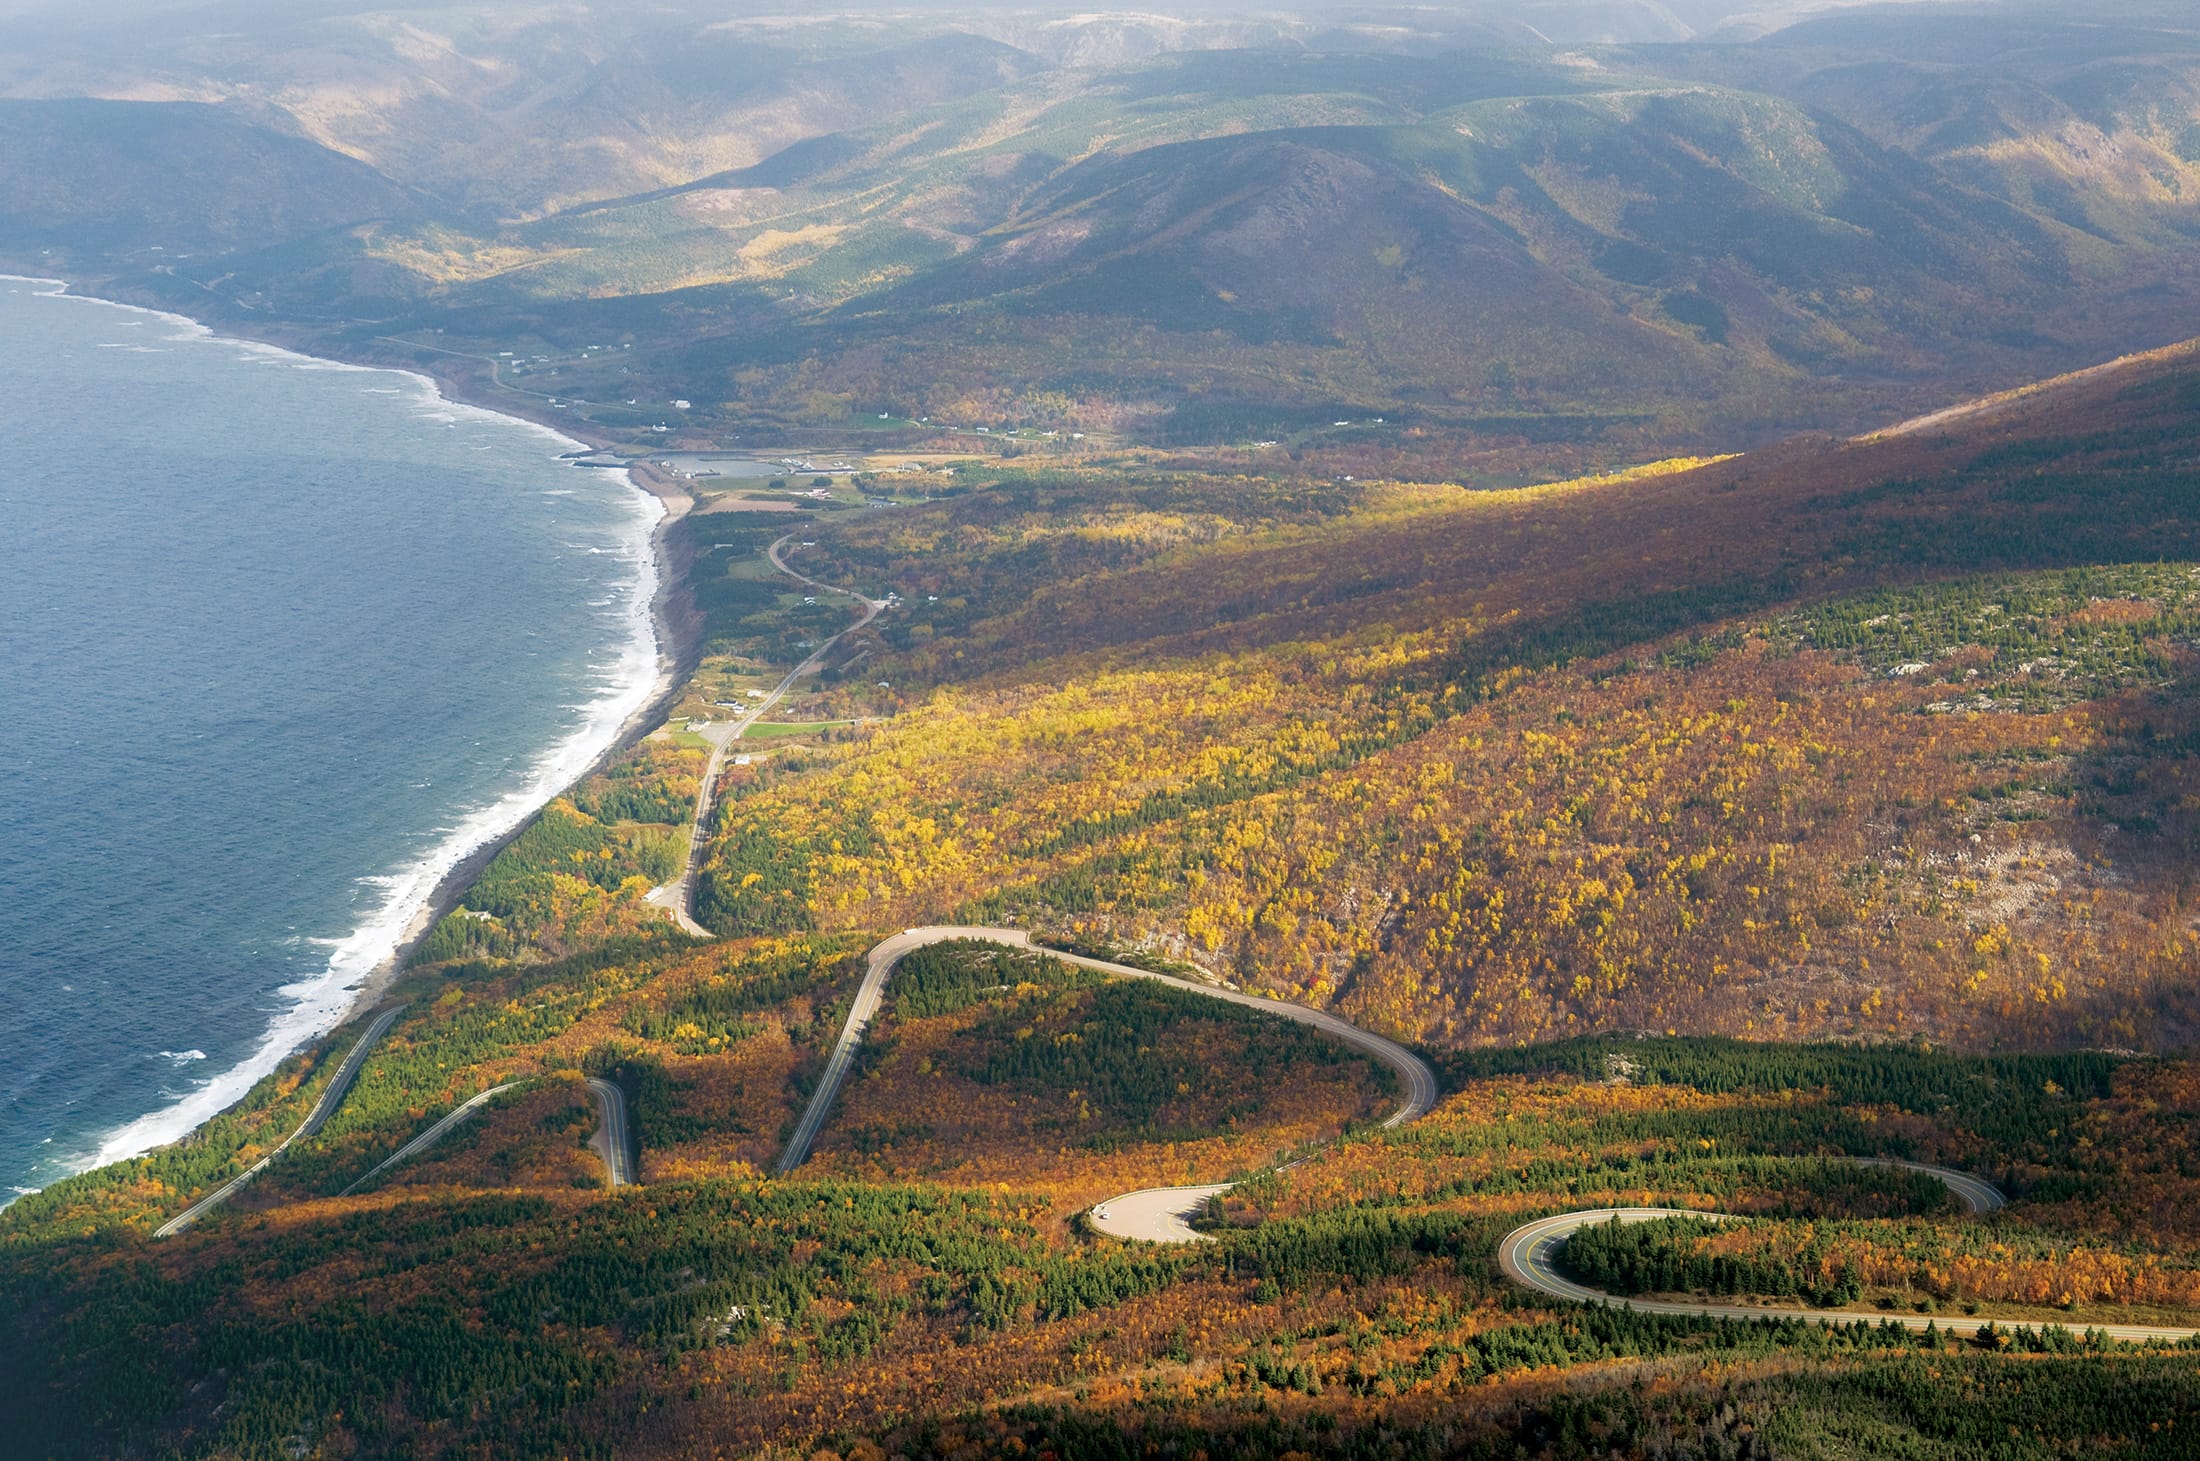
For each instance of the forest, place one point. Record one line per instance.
(1351, 1298)
(1697, 864)
(1830, 1264)
(989, 1060)
(1485, 767)
(1402, 509)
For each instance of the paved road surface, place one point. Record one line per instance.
(1977, 1195)
(1156, 1214)
(429, 1137)
(1420, 1081)
(677, 898)
(614, 1138)
(1529, 1257)
(324, 1108)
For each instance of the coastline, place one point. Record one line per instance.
(674, 643)
(679, 649)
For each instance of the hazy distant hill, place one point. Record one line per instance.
(1177, 227)
(1606, 250)
(2091, 126)
(97, 179)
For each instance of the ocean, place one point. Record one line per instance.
(280, 642)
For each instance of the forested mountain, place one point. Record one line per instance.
(146, 180)
(1839, 738)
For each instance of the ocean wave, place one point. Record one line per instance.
(317, 1004)
(181, 1057)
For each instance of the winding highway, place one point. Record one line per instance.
(430, 1137)
(1978, 1195)
(1157, 1212)
(614, 1138)
(1529, 1256)
(1419, 1080)
(677, 898)
(324, 1108)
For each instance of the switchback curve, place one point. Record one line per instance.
(1420, 1081)
(1528, 1255)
